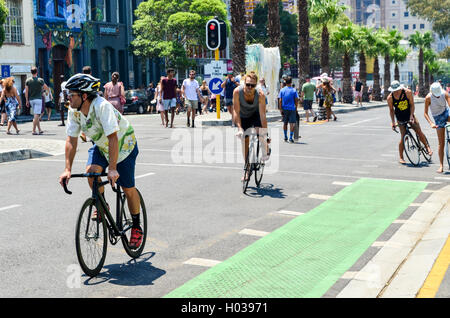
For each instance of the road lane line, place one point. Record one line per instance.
(360, 122)
(253, 232)
(437, 273)
(290, 212)
(319, 196)
(202, 262)
(442, 178)
(10, 207)
(145, 175)
(341, 183)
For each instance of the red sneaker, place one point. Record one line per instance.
(136, 238)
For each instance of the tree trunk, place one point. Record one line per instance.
(237, 12)
(363, 76)
(273, 23)
(325, 51)
(347, 93)
(387, 75)
(427, 78)
(303, 41)
(397, 73)
(421, 85)
(376, 81)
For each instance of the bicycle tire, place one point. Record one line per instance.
(89, 264)
(127, 222)
(259, 166)
(447, 148)
(411, 149)
(424, 149)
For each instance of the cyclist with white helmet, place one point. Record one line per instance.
(115, 145)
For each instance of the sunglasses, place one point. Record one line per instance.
(70, 95)
(250, 85)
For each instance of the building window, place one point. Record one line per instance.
(406, 27)
(422, 26)
(393, 2)
(13, 25)
(394, 27)
(406, 14)
(393, 14)
(414, 26)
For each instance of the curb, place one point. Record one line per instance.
(21, 154)
(401, 266)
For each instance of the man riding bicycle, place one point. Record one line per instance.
(250, 110)
(115, 145)
(401, 104)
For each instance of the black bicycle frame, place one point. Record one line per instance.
(114, 225)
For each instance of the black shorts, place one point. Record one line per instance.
(289, 116)
(252, 121)
(307, 104)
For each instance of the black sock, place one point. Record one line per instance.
(136, 220)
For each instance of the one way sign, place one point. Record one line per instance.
(215, 85)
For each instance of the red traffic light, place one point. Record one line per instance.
(212, 26)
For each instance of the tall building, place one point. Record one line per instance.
(250, 6)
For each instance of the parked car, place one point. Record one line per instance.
(136, 101)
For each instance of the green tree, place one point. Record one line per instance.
(273, 25)
(325, 13)
(399, 55)
(237, 12)
(164, 28)
(3, 15)
(392, 40)
(435, 11)
(303, 41)
(364, 41)
(429, 58)
(344, 40)
(421, 42)
(374, 50)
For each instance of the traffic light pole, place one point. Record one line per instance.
(218, 95)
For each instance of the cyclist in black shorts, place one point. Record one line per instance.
(249, 109)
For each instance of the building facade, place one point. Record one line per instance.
(17, 54)
(73, 34)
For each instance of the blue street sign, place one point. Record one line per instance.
(214, 85)
(6, 71)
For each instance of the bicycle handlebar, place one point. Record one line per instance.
(83, 175)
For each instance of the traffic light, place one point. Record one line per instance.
(213, 34)
(223, 35)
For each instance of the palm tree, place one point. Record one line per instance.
(429, 57)
(303, 41)
(323, 13)
(237, 12)
(399, 55)
(421, 41)
(373, 51)
(344, 40)
(364, 40)
(393, 38)
(273, 23)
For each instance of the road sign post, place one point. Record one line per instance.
(218, 95)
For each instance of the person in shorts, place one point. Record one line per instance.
(288, 99)
(169, 93)
(308, 90)
(190, 90)
(438, 101)
(33, 95)
(229, 85)
(358, 92)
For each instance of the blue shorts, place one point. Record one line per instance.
(307, 104)
(441, 120)
(289, 116)
(125, 168)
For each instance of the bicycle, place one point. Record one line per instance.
(447, 144)
(413, 145)
(254, 161)
(92, 232)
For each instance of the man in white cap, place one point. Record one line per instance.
(438, 102)
(401, 104)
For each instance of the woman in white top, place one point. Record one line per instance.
(262, 86)
(159, 104)
(438, 102)
(48, 103)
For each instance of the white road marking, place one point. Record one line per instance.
(349, 275)
(145, 175)
(10, 207)
(360, 122)
(442, 178)
(253, 232)
(361, 172)
(415, 204)
(341, 183)
(319, 196)
(387, 155)
(202, 262)
(290, 212)
(370, 166)
(428, 191)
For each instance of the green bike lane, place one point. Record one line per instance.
(306, 256)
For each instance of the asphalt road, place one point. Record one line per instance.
(190, 179)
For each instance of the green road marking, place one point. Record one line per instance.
(305, 257)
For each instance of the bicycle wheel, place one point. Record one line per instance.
(248, 167)
(447, 146)
(259, 166)
(423, 149)
(411, 149)
(127, 223)
(91, 239)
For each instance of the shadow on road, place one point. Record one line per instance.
(265, 189)
(135, 272)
